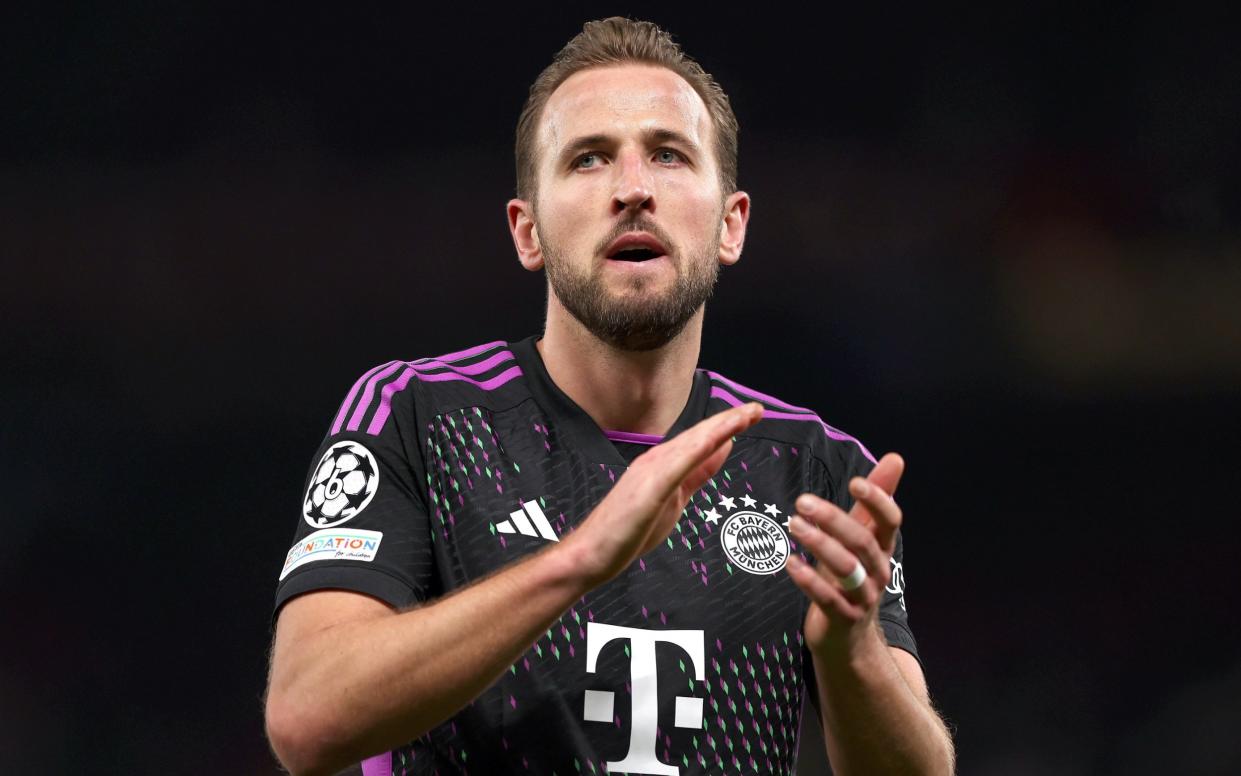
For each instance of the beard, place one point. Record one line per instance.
(637, 322)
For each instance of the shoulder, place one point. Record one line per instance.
(788, 423)
(436, 384)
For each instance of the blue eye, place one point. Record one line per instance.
(667, 156)
(581, 160)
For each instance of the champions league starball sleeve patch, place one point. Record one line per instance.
(343, 484)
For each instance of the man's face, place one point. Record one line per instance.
(629, 209)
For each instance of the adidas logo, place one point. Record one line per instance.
(523, 524)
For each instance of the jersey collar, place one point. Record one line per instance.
(578, 427)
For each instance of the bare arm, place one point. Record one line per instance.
(877, 715)
(351, 678)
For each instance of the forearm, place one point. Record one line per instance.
(358, 688)
(873, 721)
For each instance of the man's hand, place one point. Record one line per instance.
(877, 716)
(837, 618)
(646, 502)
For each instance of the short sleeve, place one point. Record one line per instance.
(362, 522)
(893, 617)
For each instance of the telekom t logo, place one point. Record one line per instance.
(644, 678)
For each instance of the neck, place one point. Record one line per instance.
(643, 393)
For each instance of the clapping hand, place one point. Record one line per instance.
(853, 551)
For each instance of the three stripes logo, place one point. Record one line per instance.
(530, 521)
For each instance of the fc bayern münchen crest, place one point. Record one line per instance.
(343, 484)
(755, 542)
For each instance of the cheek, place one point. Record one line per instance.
(697, 211)
(689, 191)
(570, 205)
(567, 235)
(556, 210)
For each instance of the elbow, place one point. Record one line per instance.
(295, 738)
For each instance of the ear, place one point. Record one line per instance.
(525, 234)
(732, 228)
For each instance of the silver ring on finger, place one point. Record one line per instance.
(855, 578)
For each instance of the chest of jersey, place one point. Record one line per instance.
(689, 661)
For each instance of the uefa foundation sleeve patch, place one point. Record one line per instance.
(333, 544)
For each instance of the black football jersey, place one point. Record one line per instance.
(439, 471)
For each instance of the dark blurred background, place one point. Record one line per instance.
(1005, 242)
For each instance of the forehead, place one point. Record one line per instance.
(620, 99)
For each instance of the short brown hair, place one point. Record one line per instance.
(616, 41)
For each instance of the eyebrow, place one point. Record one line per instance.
(652, 136)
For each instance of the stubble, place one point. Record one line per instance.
(636, 321)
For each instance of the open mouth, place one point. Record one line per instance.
(635, 254)
(635, 248)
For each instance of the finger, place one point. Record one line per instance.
(673, 461)
(657, 472)
(856, 538)
(676, 496)
(707, 469)
(822, 592)
(835, 561)
(881, 507)
(886, 475)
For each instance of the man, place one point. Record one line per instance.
(579, 554)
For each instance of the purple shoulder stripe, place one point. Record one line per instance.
(399, 384)
(353, 392)
(369, 379)
(637, 439)
(474, 351)
(369, 383)
(739, 388)
(728, 398)
(470, 369)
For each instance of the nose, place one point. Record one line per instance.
(634, 186)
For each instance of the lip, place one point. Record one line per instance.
(634, 266)
(635, 240)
